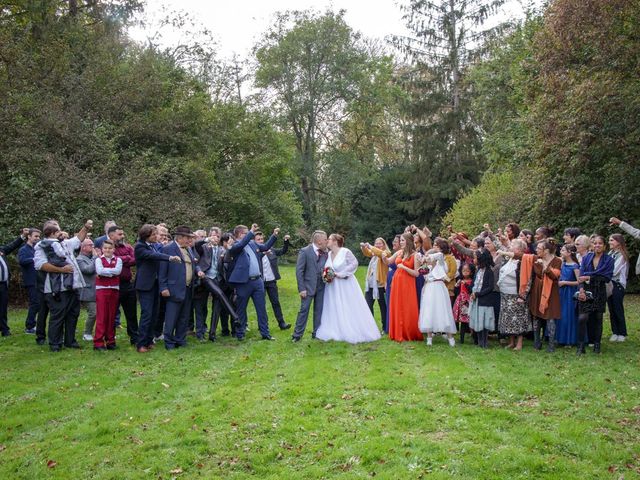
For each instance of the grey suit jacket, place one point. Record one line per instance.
(308, 272)
(88, 268)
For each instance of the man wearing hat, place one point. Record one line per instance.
(176, 287)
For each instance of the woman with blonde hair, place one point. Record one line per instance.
(376, 279)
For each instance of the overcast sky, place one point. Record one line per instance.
(237, 25)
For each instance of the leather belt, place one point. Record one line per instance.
(255, 277)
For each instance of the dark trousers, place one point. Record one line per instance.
(382, 305)
(303, 313)
(158, 327)
(200, 301)
(64, 309)
(4, 306)
(41, 321)
(253, 289)
(176, 322)
(272, 291)
(616, 310)
(149, 305)
(590, 324)
(34, 307)
(224, 310)
(129, 306)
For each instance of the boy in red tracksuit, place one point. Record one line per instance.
(108, 269)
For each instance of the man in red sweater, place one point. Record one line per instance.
(128, 301)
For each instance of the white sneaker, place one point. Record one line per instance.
(87, 338)
(429, 341)
(614, 338)
(452, 342)
(621, 338)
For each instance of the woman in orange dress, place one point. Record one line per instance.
(403, 300)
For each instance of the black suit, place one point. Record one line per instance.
(221, 305)
(271, 286)
(5, 275)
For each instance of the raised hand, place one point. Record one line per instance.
(287, 238)
(615, 221)
(88, 224)
(276, 231)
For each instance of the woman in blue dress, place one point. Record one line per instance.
(395, 246)
(567, 326)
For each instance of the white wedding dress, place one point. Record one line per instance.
(435, 308)
(345, 314)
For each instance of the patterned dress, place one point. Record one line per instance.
(461, 307)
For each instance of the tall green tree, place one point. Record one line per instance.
(445, 142)
(312, 65)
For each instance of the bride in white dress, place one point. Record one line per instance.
(345, 314)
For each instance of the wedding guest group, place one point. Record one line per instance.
(508, 285)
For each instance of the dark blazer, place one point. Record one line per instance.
(25, 259)
(206, 258)
(272, 255)
(9, 248)
(485, 299)
(147, 263)
(173, 276)
(308, 272)
(239, 271)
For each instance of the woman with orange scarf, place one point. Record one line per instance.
(541, 275)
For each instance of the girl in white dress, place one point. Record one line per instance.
(435, 308)
(345, 314)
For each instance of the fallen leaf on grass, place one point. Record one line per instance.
(328, 406)
(51, 463)
(3, 447)
(346, 396)
(176, 471)
(136, 440)
(165, 385)
(612, 469)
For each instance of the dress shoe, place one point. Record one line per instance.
(111, 347)
(30, 331)
(268, 337)
(54, 348)
(295, 339)
(212, 339)
(580, 349)
(596, 348)
(225, 334)
(100, 349)
(241, 339)
(41, 341)
(285, 326)
(142, 349)
(74, 345)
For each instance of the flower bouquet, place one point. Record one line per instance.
(328, 274)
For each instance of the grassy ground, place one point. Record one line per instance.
(313, 410)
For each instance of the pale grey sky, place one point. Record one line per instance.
(237, 25)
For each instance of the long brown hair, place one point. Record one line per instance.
(409, 247)
(623, 245)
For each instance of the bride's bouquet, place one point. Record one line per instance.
(328, 274)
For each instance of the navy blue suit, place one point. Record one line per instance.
(25, 258)
(147, 262)
(173, 277)
(247, 287)
(4, 284)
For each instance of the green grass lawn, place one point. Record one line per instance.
(315, 410)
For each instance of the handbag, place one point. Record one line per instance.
(609, 288)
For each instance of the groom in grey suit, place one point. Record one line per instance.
(311, 260)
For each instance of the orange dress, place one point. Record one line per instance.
(403, 305)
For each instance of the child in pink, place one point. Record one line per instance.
(108, 269)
